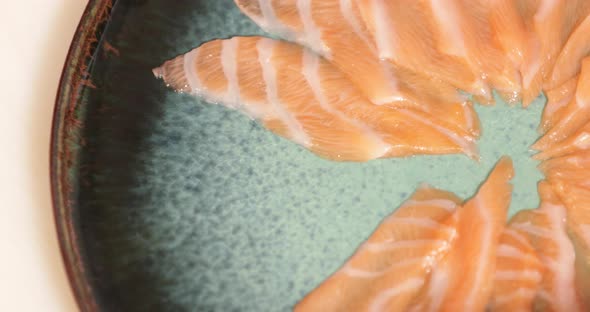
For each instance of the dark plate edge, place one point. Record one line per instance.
(65, 138)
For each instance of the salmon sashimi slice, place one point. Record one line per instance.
(545, 228)
(576, 161)
(404, 33)
(463, 280)
(508, 28)
(557, 100)
(569, 61)
(579, 141)
(574, 115)
(387, 271)
(571, 168)
(518, 273)
(338, 33)
(461, 114)
(577, 201)
(530, 88)
(335, 30)
(465, 30)
(551, 25)
(530, 70)
(302, 97)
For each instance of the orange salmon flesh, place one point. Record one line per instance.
(358, 80)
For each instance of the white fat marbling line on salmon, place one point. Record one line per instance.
(446, 17)
(516, 294)
(380, 302)
(229, 64)
(393, 85)
(269, 21)
(445, 204)
(439, 283)
(197, 88)
(581, 101)
(383, 30)
(466, 144)
(576, 160)
(507, 251)
(564, 119)
(190, 72)
(582, 140)
(265, 49)
(546, 7)
(564, 275)
(347, 11)
(420, 222)
(512, 275)
(269, 18)
(486, 246)
(554, 106)
(530, 72)
(531, 229)
(312, 33)
(404, 244)
(358, 273)
(469, 118)
(311, 72)
(517, 236)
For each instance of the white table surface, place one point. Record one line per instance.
(34, 39)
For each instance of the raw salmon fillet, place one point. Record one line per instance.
(551, 25)
(571, 169)
(518, 273)
(465, 30)
(574, 115)
(569, 61)
(412, 57)
(579, 141)
(302, 97)
(404, 33)
(335, 30)
(557, 100)
(508, 28)
(388, 270)
(545, 228)
(463, 280)
(416, 257)
(357, 80)
(577, 200)
(570, 178)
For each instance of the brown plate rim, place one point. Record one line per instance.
(65, 139)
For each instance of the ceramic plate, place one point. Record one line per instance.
(166, 203)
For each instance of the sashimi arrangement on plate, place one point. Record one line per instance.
(358, 80)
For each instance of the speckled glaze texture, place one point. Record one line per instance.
(186, 206)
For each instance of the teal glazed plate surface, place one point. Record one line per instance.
(166, 203)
